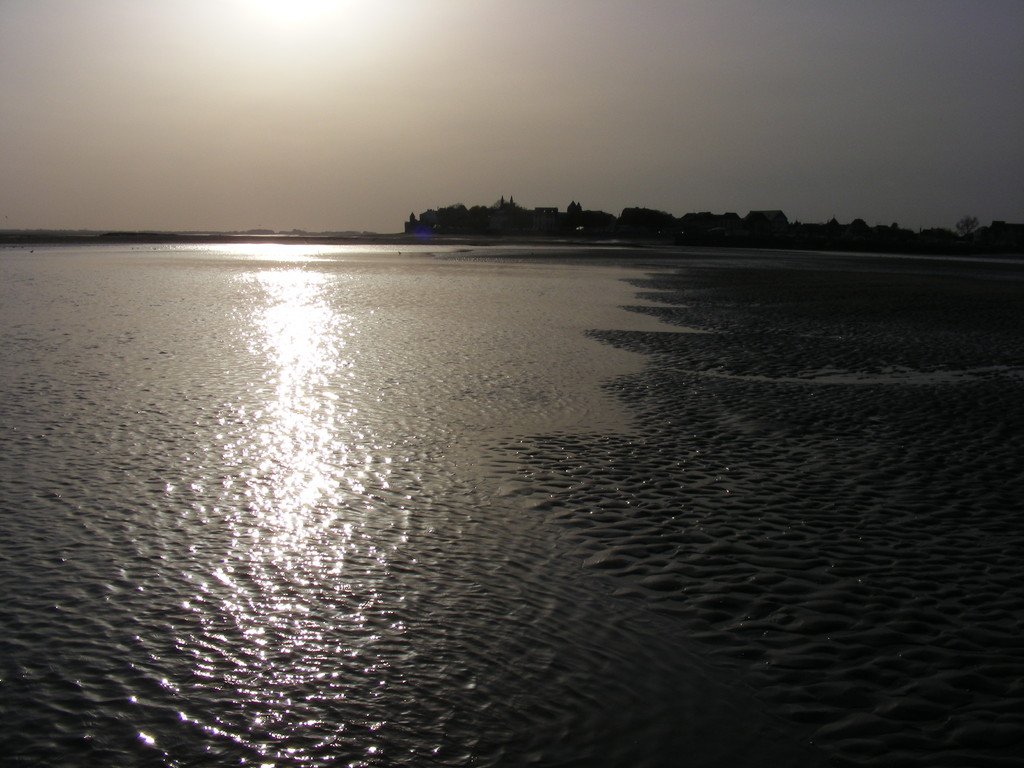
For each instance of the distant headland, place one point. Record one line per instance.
(758, 229)
(506, 220)
(254, 236)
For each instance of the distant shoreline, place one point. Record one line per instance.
(43, 237)
(40, 238)
(23, 238)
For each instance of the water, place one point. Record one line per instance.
(258, 505)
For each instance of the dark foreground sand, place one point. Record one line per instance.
(826, 489)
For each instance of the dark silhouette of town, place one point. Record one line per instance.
(507, 219)
(758, 229)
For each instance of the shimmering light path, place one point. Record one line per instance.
(309, 545)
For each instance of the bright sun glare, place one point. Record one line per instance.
(357, 25)
(295, 12)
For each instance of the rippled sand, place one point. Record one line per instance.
(825, 491)
(256, 507)
(319, 507)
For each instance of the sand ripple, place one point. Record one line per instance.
(849, 538)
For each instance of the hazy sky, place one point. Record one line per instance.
(349, 114)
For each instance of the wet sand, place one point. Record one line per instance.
(824, 489)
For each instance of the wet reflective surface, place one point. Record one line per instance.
(258, 508)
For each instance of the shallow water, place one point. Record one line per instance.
(290, 506)
(267, 505)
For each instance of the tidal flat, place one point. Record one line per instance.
(378, 505)
(824, 488)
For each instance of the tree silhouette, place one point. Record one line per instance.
(646, 219)
(966, 225)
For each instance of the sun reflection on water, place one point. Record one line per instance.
(299, 429)
(297, 602)
(280, 252)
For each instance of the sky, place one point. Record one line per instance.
(334, 115)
